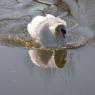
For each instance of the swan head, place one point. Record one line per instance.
(48, 30)
(61, 29)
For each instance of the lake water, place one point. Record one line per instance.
(18, 76)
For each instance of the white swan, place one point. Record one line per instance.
(49, 31)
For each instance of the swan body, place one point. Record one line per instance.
(48, 30)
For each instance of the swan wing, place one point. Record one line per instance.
(32, 27)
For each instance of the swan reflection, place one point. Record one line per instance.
(48, 59)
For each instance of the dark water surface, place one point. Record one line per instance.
(18, 76)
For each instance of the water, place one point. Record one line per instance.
(18, 76)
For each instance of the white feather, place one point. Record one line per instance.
(32, 27)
